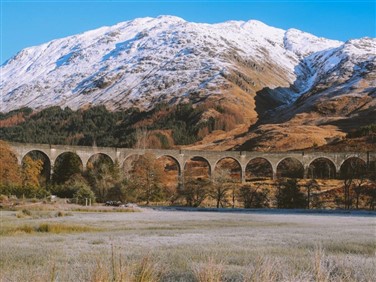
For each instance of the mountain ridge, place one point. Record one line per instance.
(46, 59)
(274, 77)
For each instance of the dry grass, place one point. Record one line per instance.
(105, 209)
(55, 228)
(144, 270)
(187, 246)
(25, 213)
(264, 269)
(34, 205)
(209, 271)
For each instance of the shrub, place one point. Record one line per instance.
(23, 213)
(26, 229)
(3, 198)
(63, 191)
(26, 212)
(43, 228)
(62, 213)
(76, 188)
(83, 193)
(20, 191)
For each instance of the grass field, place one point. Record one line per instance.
(167, 245)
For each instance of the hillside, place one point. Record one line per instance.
(248, 85)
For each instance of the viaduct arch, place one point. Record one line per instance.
(182, 156)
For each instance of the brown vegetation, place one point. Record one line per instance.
(188, 246)
(10, 172)
(12, 120)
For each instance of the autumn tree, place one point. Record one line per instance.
(147, 175)
(31, 170)
(171, 179)
(44, 175)
(10, 173)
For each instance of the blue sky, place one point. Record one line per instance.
(27, 23)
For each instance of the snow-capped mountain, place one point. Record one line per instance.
(148, 60)
(269, 73)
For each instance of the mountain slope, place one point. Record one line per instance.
(147, 60)
(273, 77)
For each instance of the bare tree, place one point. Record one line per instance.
(353, 174)
(195, 191)
(221, 186)
(233, 194)
(358, 189)
(254, 196)
(370, 192)
(367, 187)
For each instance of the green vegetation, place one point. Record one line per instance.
(99, 126)
(102, 127)
(368, 130)
(64, 126)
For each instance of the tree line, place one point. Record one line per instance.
(168, 125)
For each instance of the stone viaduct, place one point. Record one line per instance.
(52, 152)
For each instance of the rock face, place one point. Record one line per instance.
(279, 80)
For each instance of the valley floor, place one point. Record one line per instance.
(171, 245)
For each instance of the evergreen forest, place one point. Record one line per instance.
(177, 125)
